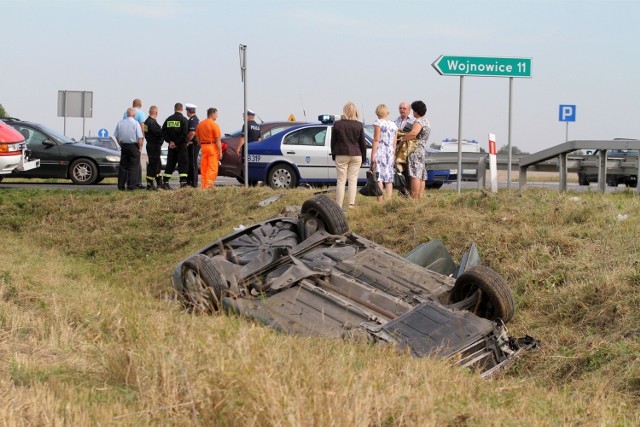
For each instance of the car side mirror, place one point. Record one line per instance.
(48, 143)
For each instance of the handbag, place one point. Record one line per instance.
(399, 180)
(371, 188)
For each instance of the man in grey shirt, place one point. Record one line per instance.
(129, 134)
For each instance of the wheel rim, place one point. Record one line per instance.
(82, 172)
(197, 292)
(281, 178)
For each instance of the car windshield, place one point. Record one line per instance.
(59, 137)
(368, 129)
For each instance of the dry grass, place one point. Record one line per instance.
(90, 333)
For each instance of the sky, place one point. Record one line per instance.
(306, 58)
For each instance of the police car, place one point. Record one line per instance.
(299, 155)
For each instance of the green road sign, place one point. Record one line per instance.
(482, 66)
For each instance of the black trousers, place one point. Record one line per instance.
(153, 152)
(129, 166)
(177, 156)
(194, 170)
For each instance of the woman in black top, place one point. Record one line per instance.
(349, 151)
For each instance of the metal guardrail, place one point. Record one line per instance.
(554, 159)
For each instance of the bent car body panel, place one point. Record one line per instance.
(345, 286)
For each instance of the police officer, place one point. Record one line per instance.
(174, 131)
(254, 131)
(153, 135)
(193, 146)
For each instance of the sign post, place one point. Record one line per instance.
(243, 74)
(567, 114)
(75, 103)
(483, 66)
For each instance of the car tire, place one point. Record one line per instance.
(436, 185)
(495, 298)
(282, 176)
(252, 182)
(203, 284)
(83, 172)
(582, 179)
(322, 213)
(612, 181)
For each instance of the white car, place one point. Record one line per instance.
(300, 154)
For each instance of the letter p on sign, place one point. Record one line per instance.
(567, 113)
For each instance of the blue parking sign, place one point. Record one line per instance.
(567, 113)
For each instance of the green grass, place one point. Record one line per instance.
(91, 332)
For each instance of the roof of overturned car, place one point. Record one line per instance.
(306, 273)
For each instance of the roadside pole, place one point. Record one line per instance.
(493, 163)
(243, 74)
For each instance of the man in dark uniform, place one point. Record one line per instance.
(174, 131)
(254, 131)
(153, 135)
(193, 146)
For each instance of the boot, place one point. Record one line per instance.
(151, 185)
(159, 181)
(165, 185)
(184, 184)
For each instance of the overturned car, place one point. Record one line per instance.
(306, 273)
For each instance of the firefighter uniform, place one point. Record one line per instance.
(153, 135)
(174, 130)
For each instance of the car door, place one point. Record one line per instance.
(44, 148)
(308, 149)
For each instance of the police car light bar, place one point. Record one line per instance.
(328, 118)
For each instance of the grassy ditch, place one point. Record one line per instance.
(91, 333)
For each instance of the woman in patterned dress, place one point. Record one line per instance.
(384, 148)
(420, 131)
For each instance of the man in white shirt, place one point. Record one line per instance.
(405, 118)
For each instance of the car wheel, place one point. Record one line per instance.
(203, 283)
(83, 172)
(582, 179)
(612, 181)
(322, 213)
(282, 176)
(494, 299)
(436, 185)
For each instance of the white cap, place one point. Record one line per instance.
(190, 106)
(250, 113)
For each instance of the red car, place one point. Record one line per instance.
(232, 164)
(13, 152)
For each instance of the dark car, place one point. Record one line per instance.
(308, 274)
(585, 177)
(62, 157)
(232, 164)
(101, 141)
